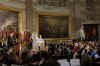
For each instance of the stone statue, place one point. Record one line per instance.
(82, 34)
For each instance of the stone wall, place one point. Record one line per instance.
(76, 8)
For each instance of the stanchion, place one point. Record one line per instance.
(69, 59)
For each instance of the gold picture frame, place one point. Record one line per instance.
(13, 10)
(41, 24)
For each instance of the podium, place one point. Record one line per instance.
(38, 44)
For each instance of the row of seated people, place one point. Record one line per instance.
(88, 53)
(9, 57)
(27, 58)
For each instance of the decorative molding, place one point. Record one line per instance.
(20, 1)
(54, 3)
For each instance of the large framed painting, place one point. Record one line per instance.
(10, 19)
(53, 26)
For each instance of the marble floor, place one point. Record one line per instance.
(73, 62)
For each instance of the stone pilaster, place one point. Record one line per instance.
(29, 15)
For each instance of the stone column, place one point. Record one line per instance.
(76, 19)
(29, 15)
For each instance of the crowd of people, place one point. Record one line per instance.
(11, 51)
(88, 53)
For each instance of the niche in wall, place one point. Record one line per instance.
(91, 32)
